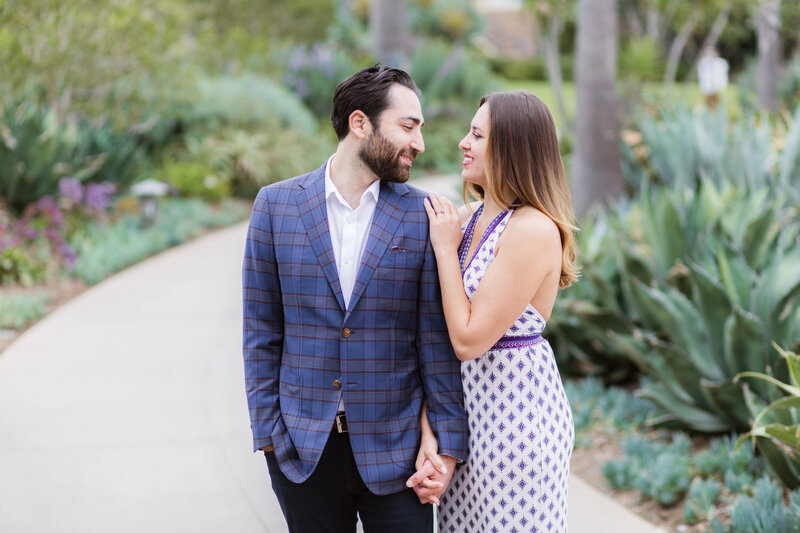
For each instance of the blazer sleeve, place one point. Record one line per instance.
(440, 369)
(262, 335)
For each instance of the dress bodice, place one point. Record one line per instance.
(530, 323)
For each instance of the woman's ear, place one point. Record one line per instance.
(360, 125)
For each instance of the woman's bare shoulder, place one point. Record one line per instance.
(465, 211)
(532, 226)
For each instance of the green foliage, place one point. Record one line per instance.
(452, 80)
(250, 161)
(660, 470)
(776, 427)
(763, 512)
(691, 282)
(611, 408)
(723, 458)
(98, 54)
(297, 21)
(107, 248)
(313, 72)
(38, 148)
(456, 20)
(195, 179)
(640, 59)
(18, 310)
(449, 77)
(249, 102)
(22, 266)
(684, 147)
(701, 500)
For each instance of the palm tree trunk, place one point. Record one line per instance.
(549, 40)
(597, 173)
(678, 44)
(768, 23)
(389, 29)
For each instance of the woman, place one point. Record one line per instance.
(499, 280)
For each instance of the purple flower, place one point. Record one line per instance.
(71, 188)
(98, 195)
(67, 253)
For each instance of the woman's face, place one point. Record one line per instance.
(474, 147)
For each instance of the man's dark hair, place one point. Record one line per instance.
(366, 90)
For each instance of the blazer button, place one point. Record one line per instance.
(337, 384)
(346, 332)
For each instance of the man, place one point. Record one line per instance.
(344, 335)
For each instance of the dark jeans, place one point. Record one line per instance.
(330, 500)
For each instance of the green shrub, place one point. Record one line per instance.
(252, 160)
(247, 102)
(313, 72)
(17, 266)
(38, 148)
(195, 180)
(16, 311)
(660, 470)
(640, 59)
(107, 248)
(763, 512)
(701, 501)
(456, 20)
(724, 457)
(595, 406)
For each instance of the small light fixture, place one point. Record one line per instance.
(148, 192)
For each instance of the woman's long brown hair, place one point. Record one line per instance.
(524, 167)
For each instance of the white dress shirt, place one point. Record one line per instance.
(349, 229)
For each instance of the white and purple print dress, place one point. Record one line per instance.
(521, 429)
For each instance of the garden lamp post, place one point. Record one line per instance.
(712, 75)
(148, 192)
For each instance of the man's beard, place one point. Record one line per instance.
(383, 158)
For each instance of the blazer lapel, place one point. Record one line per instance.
(389, 211)
(314, 214)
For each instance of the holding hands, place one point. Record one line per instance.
(445, 223)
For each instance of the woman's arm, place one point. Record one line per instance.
(531, 254)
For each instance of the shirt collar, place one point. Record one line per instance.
(330, 188)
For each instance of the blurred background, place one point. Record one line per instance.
(679, 128)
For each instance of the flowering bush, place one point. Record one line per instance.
(37, 243)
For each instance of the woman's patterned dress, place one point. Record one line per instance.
(521, 429)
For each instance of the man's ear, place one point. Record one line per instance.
(360, 125)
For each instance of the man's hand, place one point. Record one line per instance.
(429, 483)
(268, 448)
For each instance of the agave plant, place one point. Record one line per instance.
(715, 283)
(691, 287)
(683, 148)
(776, 427)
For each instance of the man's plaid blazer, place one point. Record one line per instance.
(303, 350)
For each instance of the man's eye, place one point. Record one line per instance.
(408, 128)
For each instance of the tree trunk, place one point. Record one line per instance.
(632, 18)
(768, 23)
(549, 40)
(389, 29)
(678, 44)
(597, 172)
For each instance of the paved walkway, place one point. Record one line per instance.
(124, 410)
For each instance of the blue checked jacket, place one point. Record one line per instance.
(385, 353)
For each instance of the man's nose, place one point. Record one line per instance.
(418, 143)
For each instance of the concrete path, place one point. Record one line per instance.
(124, 410)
